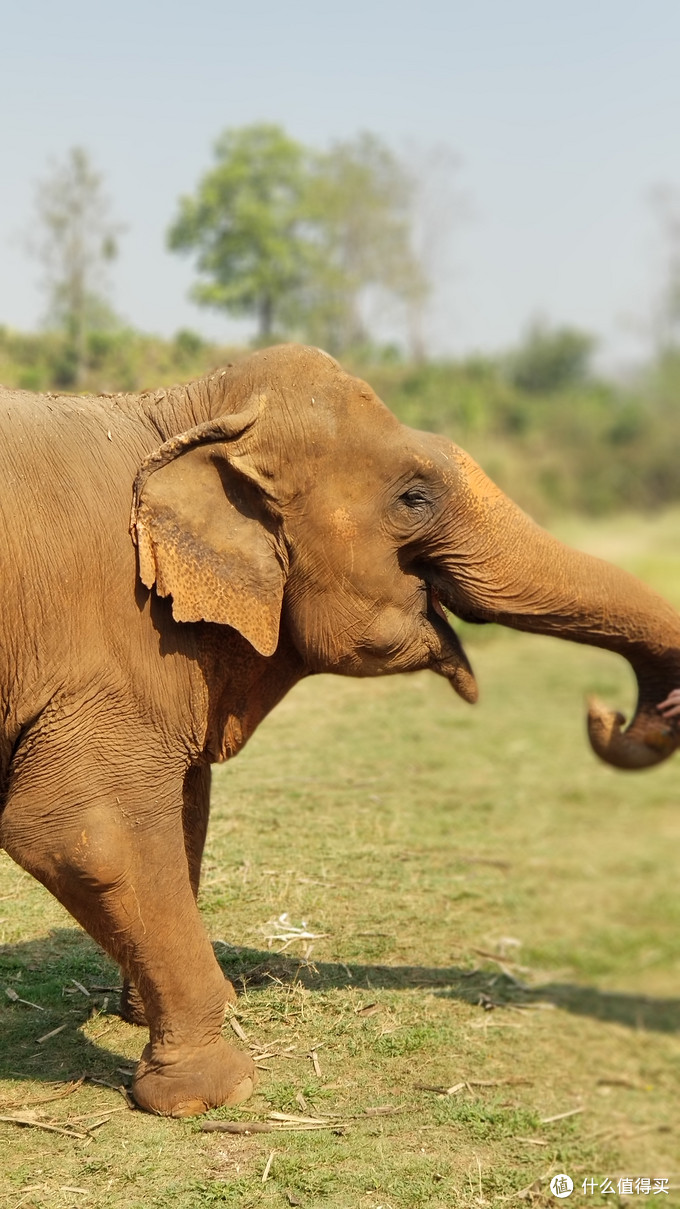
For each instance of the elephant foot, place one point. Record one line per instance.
(183, 1081)
(132, 1008)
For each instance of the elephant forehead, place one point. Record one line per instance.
(346, 407)
(290, 364)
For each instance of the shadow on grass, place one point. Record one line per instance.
(254, 968)
(43, 971)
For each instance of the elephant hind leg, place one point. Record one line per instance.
(195, 814)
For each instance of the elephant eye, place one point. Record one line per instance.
(415, 498)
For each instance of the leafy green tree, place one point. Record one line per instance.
(75, 240)
(245, 223)
(297, 237)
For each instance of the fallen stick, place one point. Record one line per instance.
(379, 1110)
(109, 1112)
(246, 1127)
(14, 998)
(103, 1121)
(103, 1031)
(265, 1173)
(237, 1029)
(561, 1115)
(53, 1032)
(68, 1091)
(511, 1081)
(243, 1127)
(440, 1091)
(68, 1133)
(294, 1119)
(115, 1087)
(282, 1121)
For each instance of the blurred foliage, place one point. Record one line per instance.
(550, 359)
(117, 359)
(296, 237)
(581, 444)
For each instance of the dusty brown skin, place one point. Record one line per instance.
(283, 522)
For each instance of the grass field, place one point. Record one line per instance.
(495, 915)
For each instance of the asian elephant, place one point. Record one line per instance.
(172, 563)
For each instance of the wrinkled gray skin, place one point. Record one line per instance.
(283, 522)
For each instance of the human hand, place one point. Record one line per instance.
(670, 708)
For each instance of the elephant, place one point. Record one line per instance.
(173, 562)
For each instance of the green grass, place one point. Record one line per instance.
(417, 834)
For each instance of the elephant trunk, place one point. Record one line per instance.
(495, 564)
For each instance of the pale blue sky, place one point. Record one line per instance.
(564, 114)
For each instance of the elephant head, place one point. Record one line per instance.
(302, 503)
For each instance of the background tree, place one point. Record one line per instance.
(297, 238)
(360, 204)
(437, 206)
(666, 203)
(75, 240)
(245, 225)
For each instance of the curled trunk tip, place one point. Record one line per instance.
(648, 740)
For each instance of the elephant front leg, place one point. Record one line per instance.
(114, 856)
(195, 814)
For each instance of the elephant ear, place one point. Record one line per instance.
(205, 534)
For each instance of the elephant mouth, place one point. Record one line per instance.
(451, 660)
